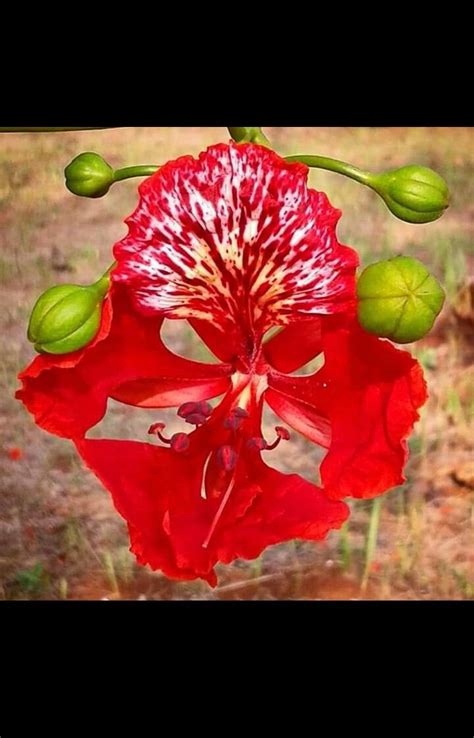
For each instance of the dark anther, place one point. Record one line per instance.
(282, 434)
(258, 443)
(204, 408)
(232, 422)
(226, 457)
(195, 418)
(180, 442)
(262, 445)
(239, 412)
(194, 408)
(156, 429)
(187, 408)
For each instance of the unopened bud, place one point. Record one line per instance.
(398, 299)
(66, 317)
(413, 193)
(89, 175)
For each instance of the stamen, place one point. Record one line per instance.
(262, 445)
(195, 419)
(226, 457)
(257, 443)
(180, 442)
(240, 412)
(193, 408)
(204, 408)
(219, 512)
(155, 429)
(203, 479)
(186, 409)
(282, 434)
(232, 422)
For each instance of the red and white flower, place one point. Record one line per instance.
(237, 244)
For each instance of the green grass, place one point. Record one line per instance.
(32, 582)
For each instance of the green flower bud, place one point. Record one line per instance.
(413, 193)
(67, 317)
(398, 299)
(89, 175)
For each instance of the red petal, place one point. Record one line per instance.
(372, 413)
(224, 345)
(127, 361)
(130, 471)
(172, 391)
(294, 345)
(283, 396)
(235, 238)
(169, 520)
(248, 506)
(370, 392)
(158, 492)
(288, 507)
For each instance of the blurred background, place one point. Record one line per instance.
(60, 537)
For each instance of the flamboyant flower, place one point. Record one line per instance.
(235, 243)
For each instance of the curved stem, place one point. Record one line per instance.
(249, 135)
(333, 165)
(144, 170)
(112, 266)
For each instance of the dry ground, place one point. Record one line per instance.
(59, 534)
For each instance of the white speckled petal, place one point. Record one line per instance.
(236, 238)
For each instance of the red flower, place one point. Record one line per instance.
(235, 243)
(15, 453)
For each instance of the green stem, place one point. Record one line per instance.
(333, 165)
(371, 540)
(249, 135)
(144, 170)
(39, 129)
(239, 134)
(112, 266)
(345, 547)
(102, 284)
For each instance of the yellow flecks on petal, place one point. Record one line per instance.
(250, 231)
(236, 238)
(251, 388)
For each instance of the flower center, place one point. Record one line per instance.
(227, 437)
